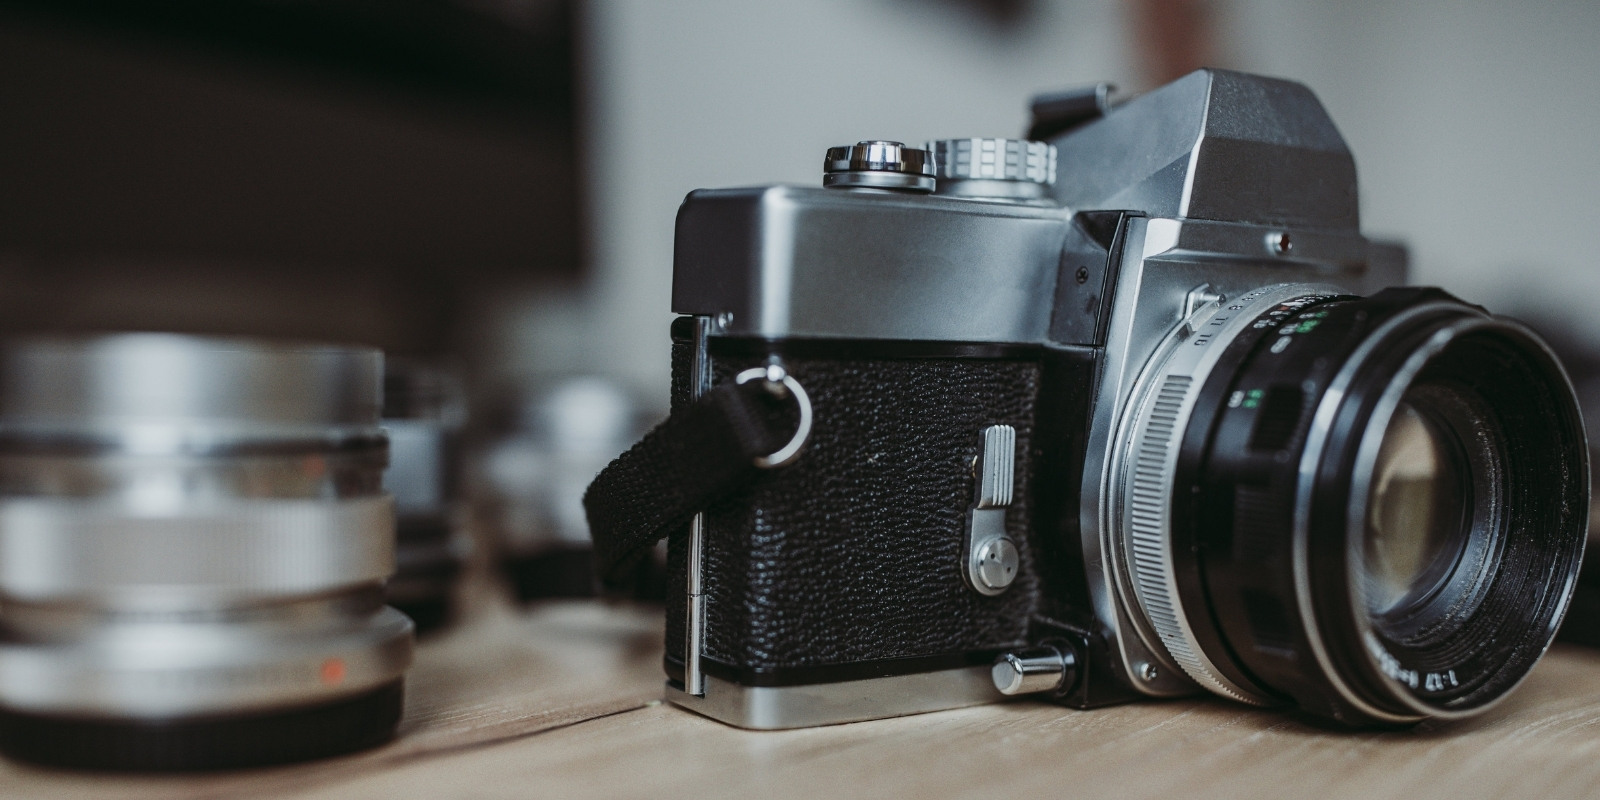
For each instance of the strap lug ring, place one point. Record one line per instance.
(780, 382)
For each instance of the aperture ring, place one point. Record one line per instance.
(67, 548)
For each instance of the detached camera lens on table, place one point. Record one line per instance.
(193, 543)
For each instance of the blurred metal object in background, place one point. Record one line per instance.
(423, 413)
(193, 542)
(535, 479)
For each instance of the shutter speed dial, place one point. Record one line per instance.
(1002, 169)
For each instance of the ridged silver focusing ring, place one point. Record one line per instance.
(53, 549)
(1145, 464)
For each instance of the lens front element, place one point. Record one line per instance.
(1414, 531)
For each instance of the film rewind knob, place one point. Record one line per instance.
(876, 164)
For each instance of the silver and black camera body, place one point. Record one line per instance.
(1152, 428)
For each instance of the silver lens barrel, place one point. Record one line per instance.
(209, 392)
(194, 530)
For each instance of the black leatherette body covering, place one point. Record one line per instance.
(854, 552)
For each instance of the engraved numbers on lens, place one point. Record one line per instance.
(1438, 682)
(1391, 667)
(1425, 681)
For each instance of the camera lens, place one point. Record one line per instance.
(194, 540)
(1370, 508)
(1415, 531)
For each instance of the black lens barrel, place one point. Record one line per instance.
(1270, 474)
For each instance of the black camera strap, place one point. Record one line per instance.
(702, 453)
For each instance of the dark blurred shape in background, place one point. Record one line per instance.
(1173, 37)
(1001, 14)
(339, 170)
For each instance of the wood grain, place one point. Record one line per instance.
(500, 678)
(561, 702)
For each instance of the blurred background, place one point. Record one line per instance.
(488, 186)
(493, 182)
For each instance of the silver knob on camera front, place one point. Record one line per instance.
(1039, 669)
(1013, 169)
(878, 165)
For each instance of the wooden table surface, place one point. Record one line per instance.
(563, 701)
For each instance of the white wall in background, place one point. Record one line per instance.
(705, 93)
(1476, 132)
(1475, 126)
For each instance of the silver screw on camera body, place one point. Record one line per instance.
(997, 564)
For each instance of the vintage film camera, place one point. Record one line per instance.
(1152, 428)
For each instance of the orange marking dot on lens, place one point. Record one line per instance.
(333, 671)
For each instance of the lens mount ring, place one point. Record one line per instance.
(1142, 483)
(312, 652)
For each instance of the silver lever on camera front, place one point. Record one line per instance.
(992, 557)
